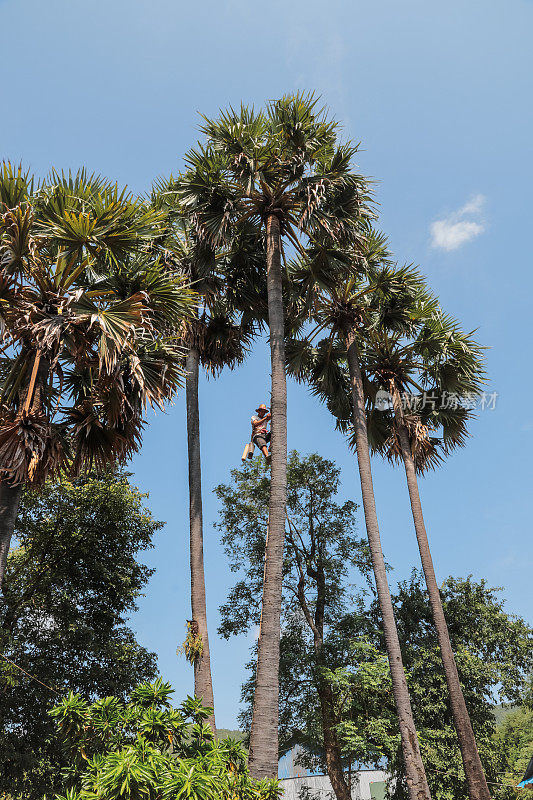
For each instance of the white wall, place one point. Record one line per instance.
(320, 785)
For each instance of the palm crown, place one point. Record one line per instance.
(222, 327)
(84, 307)
(407, 347)
(284, 161)
(432, 377)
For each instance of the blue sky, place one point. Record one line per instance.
(439, 94)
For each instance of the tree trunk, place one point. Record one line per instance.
(414, 768)
(9, 504)
(475, 776)
(30, 403)
(203, 685)
(331, 745)
(263, 755)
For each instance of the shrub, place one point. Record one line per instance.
(146, 750)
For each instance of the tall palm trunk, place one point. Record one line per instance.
(414, 768)
(263, 756)
(203, 685)
(9, 503)
(475, 776)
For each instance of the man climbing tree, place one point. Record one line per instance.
(260, 433)
(285, 171)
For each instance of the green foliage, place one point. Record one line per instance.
(514, 740)
(70, 586)
(363, 699)
(193, 646)
(144, 749)
(494, 656)
(87, 304)
(312, 484)
(493, 648)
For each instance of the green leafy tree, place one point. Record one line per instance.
(72, 582)
(362, 691)
(514, 740)
(145, 750)
(86, 303)
(283, 170)
(493, 651)
(321, 546)
(494, 655)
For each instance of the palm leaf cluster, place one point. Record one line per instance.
(433, 376)
(409, 350)
(87, 305)
(285, 160)
(223, 324)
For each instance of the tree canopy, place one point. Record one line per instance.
(494, 652)
(73, 580)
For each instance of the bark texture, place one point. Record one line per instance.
(263, 754)
(414, 768)
(315, 621)
(475, 776)
(9, 504)
(331, 744)
(203, 685)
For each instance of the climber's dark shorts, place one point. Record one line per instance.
(261, 441)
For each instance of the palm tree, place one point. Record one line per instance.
(427, 354)
(350, 308)
(435, 371)
(284, 171)
(84, 309)
(214, 337)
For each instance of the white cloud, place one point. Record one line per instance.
(474, 206)
(454, 230)
(451, 235)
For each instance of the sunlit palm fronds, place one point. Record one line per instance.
(286, 160)
(87, 306)
(408, 348)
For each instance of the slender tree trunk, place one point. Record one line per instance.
(263, 756)
(315, 622)
(475, 776)
(30, 403)
(203, 685)
(414, 768)
(331, 744)
(9, 504)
